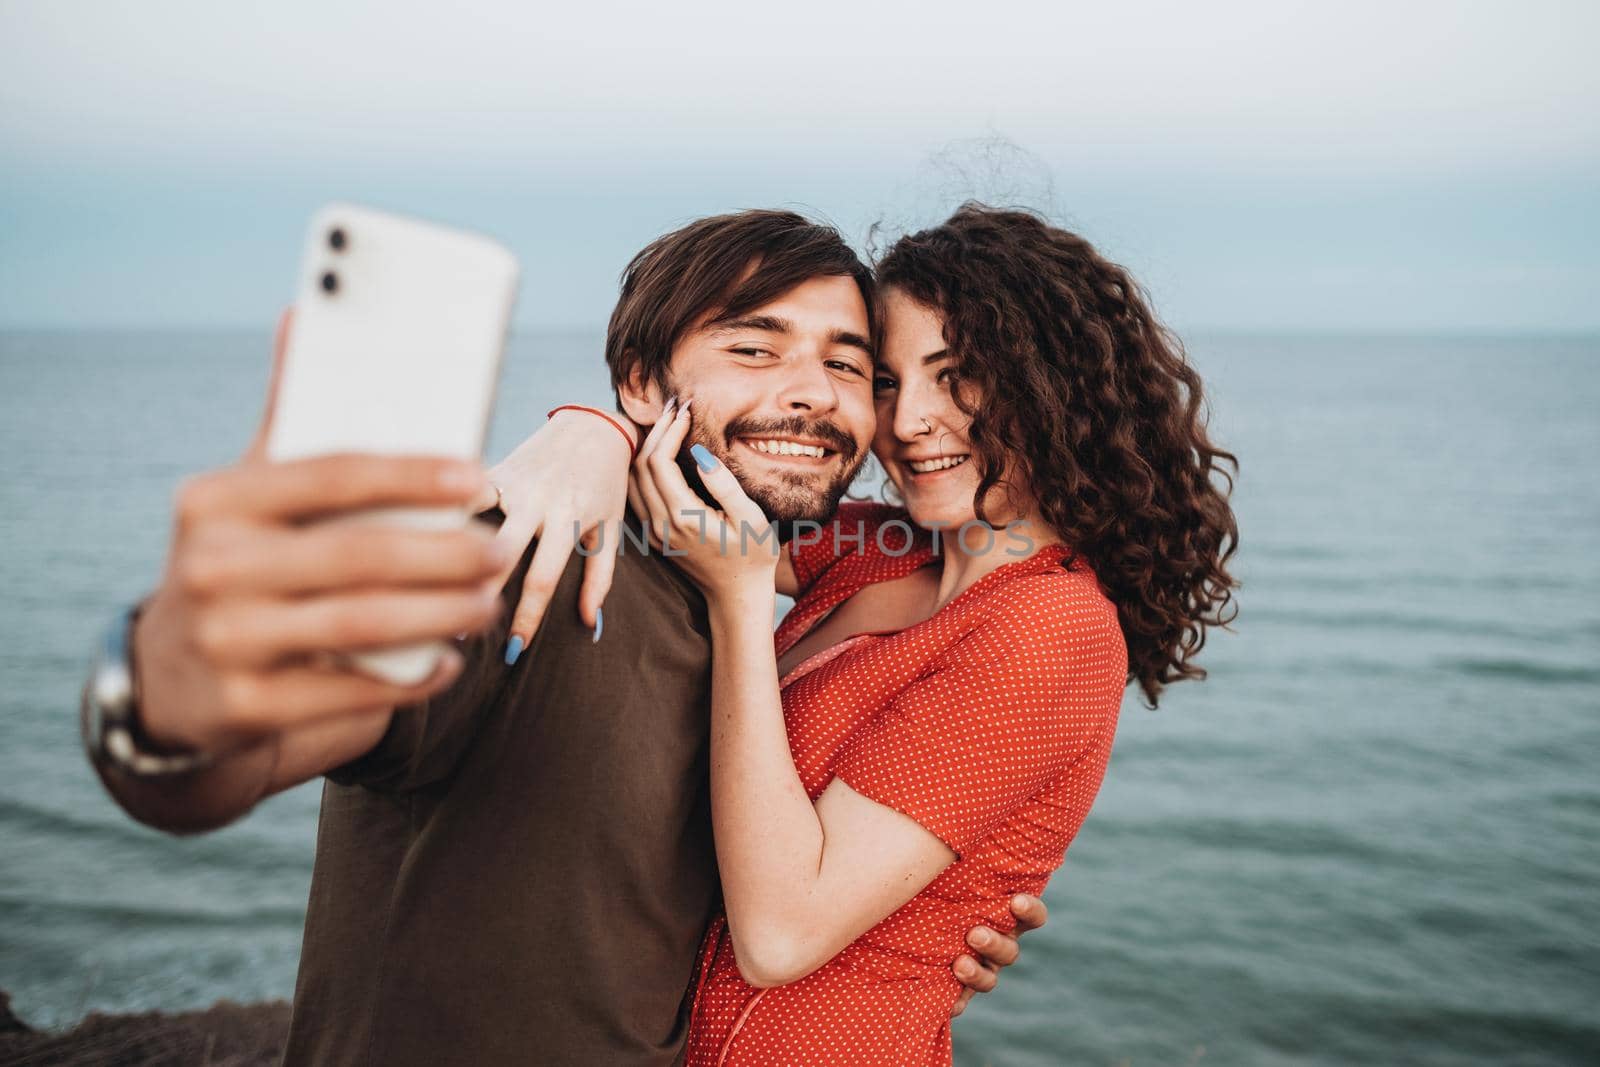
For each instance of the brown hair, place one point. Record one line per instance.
(722, 267)
(1081, 390)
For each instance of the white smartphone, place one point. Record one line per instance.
(399, 329)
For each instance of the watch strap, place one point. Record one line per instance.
(109, 711)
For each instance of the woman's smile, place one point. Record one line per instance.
(923, 469)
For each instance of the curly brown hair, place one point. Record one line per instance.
(1073, 382)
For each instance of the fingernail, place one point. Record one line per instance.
(703, 457)
(684, 407)
(978, 938)
(965, 967)
(599, 624)
(513, 650)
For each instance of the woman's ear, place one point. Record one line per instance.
(641, 398)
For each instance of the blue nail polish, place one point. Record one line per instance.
(703, 457)
(513, 650)
(599, 624)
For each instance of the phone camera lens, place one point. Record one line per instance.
(330, 282)
(337, 239)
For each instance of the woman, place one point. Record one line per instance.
(939, 714)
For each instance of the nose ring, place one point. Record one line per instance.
(926, 426)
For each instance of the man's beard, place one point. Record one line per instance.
(796, 500)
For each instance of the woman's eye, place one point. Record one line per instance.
(946, 377)
(880, 384)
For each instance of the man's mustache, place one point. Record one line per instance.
(794, 426)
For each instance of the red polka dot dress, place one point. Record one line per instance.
(989, 724)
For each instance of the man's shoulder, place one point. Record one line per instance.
(650, 603)
(643, 567)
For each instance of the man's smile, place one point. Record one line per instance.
(787, 450)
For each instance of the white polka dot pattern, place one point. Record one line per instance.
(990, 724)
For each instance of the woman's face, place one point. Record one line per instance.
(921, 438)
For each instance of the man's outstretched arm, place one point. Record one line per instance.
(230, 654)
(232, 651)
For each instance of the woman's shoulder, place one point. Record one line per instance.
(871, 535)
(868, 516)
(1050, 606)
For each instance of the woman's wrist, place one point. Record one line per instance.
(743, 598)
(629, 432)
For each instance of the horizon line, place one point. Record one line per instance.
(1484, 332)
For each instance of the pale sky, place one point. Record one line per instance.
(1285, 165)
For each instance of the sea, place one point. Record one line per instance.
(1371, 836)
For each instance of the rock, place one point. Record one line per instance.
(224, 1035)
(9, 1023)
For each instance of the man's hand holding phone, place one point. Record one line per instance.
(240, 642)
(315, 586)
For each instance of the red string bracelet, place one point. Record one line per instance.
(633, 446)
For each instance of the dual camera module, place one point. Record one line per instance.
(338, 241)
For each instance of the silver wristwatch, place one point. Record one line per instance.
(109, 714)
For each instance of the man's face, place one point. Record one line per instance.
(783, 396)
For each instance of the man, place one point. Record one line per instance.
(514, 861)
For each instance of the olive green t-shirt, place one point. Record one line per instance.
(522, 869)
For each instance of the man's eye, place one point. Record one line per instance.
(751, 351)
(845, 365)
(882, 384)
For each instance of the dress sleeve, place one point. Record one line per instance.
(1030, 691)
(859, 528)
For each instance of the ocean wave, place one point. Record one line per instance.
(1414, 1031)
(1522, 670)
(20, 819)
(1365, 620)
(130, 915)
(1277, 837)
(1313, 552)
(125, 915)
(17, 817)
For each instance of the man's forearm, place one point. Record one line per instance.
(201, 800)
(229, 788)
(242, 771)
(226, 657)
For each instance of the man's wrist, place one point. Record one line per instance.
(141, 660)
(113, 735)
